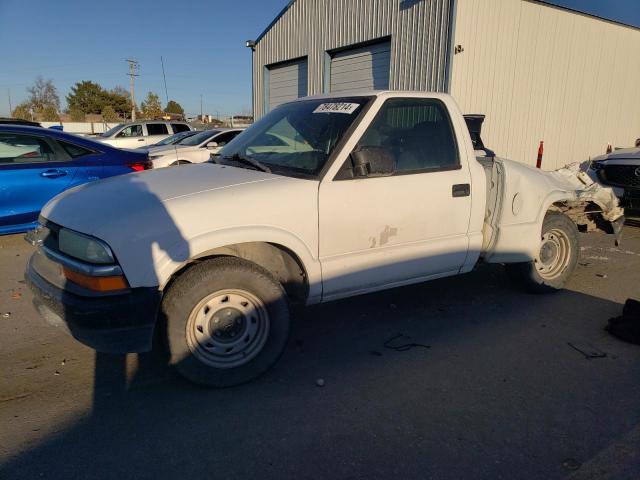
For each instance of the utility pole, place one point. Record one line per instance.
(10, 107)
(133, 68)
(201, 117)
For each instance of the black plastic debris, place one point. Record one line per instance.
(394, 343)
(627, 326)
(570, 464)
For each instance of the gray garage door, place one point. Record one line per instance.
(287, 82)
(361, 68)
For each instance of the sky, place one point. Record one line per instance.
(202, 44)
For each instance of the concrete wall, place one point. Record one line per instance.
(419, 31)
(543, 73)
(82, 127)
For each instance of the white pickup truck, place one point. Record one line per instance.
(323, 198)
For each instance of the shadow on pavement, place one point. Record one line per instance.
(498, 394)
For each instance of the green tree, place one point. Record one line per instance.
(43, 94)
(22, 111)
(151, 107)
(174, 107)
(76, 114)
(49, 114)
(119, 99)
(87, 96)
(109, 114)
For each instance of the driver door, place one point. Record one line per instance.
(33, 170)
(381, 231)
(131, 136)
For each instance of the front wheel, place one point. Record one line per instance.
(556, 259)
(226, 322)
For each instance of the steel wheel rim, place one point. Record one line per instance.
(554, 255)
(227, 328)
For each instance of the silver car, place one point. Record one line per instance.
(620, 170)
(141, 134)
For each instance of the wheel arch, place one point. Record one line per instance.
(586, 214)
(284, 264)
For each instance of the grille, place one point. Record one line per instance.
(621, 175)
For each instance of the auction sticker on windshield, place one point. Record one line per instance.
(338, 107)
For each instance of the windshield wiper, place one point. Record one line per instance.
(248, 161)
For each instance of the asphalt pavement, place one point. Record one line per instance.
(492, 390)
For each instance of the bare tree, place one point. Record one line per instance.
(43, 95)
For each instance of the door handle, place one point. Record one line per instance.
(461, 190)
(53, 173)
(141, 139)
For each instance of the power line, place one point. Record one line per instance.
(166, 94)
(133, 68)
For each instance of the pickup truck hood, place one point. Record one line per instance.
(112, 199)
(168, 213)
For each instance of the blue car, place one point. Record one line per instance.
(36, 164)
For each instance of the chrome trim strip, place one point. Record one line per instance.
(78, 266)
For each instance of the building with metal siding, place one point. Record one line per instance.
(538, 71)
(321, 34)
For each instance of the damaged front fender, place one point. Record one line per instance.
(590, 205)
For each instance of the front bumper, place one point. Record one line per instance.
(121, 323)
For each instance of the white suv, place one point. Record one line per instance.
(140, 134)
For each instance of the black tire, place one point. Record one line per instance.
(180, 162)
(258, 329)
(559, 245)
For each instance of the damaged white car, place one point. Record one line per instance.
(323, 198)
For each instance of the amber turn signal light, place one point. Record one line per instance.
(99, 284)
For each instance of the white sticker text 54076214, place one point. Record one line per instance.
(338, 107)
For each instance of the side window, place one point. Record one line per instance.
(416, 132)
(131, 131)
(157, 129)
(18, 148)
(180, 127)
(74, 151)
(225, 138)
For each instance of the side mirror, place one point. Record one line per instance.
(212, 145)
(373, 162)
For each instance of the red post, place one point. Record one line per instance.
(540, 152)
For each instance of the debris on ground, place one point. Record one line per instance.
(16, 295)
(601, 275)
(627, 326)
(589, 351)
(570, 464)
(392, 343)
(320, 382)
(6, 314)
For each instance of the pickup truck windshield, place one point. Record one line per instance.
(295, 138)
(113, 130)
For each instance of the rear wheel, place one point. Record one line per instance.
(227, 321)
(556, 259)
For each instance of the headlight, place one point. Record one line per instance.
(83, 247)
